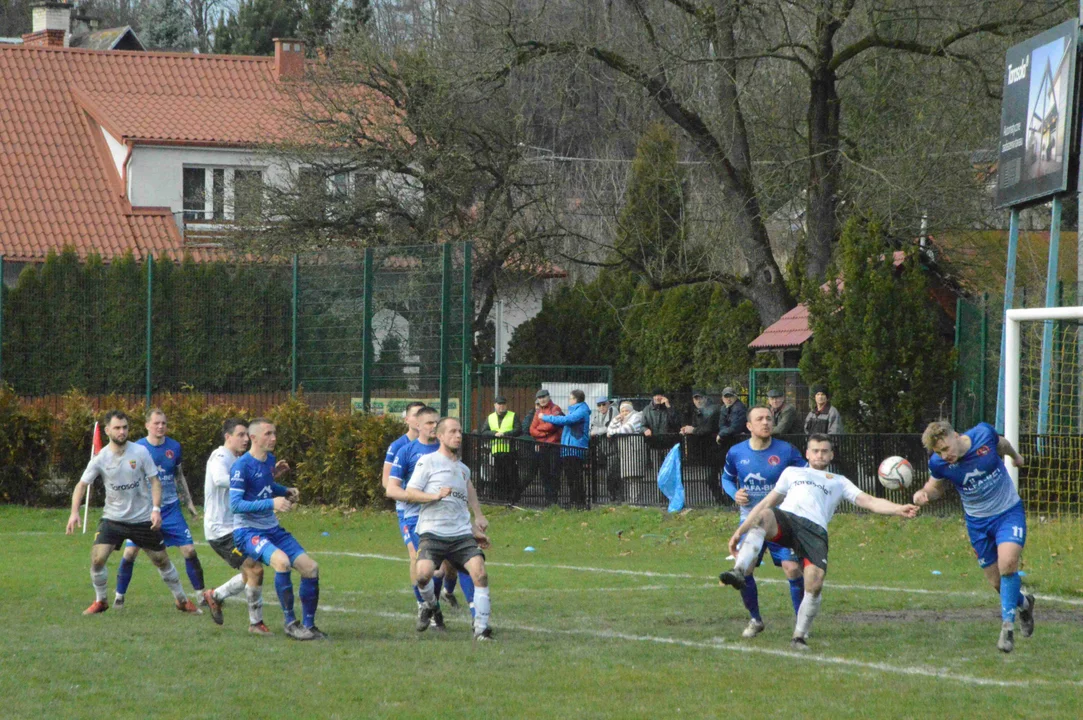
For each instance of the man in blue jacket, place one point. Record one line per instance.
(574, 439)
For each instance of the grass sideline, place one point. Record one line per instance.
(582, 629)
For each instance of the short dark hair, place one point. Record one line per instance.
(232, 424)
(118, 414)
(413, 404)
(819, 437)
(578, 395)
(426, 410)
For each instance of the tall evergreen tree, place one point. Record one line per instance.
(251, 30)
(167, 25)
(876, 342)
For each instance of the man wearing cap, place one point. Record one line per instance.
(705, 416)
(548, 436)
(503, 424)
(603, 414)
(704, 428)
(732, 418)
(823, 419)
(785, 414)
(660, 426)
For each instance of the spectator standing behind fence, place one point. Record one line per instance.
(503, 423)
(704, 417)
(660, 426)
(625, 435)
(574, 439)
(603, 414)
(732, 418)
(823, 419)
(699, 445)
(547, 452)
(785, 415)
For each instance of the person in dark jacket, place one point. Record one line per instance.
(823, 419)
(704, 417)
(700, 449)
(502, 423)
(574, 440)
(660, 426)
(785, 414)
(732, 419)
(548, 446)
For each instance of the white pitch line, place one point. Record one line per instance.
(687, 576)
(733, 647)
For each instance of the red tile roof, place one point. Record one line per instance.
(58, 184)
(789, 331)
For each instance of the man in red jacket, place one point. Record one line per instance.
(548, 447)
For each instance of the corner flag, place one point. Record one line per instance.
(95, 448)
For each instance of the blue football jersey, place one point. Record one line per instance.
(393, 448)
(757, 471)
(167, 457)
(252, 491)
(403, 468)
(980, 475)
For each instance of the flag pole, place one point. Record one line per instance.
(95, 448)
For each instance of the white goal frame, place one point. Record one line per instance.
(1011, 359)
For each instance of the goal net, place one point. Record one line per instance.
(1043, 406)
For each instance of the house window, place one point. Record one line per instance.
(247, 194)
(220, 193)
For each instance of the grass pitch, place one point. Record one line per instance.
(616, 614)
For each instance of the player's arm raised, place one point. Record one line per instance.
(883, 506)
(932, 490)
(1005, 449)
(773, 498)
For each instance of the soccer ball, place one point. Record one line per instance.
(895, 472)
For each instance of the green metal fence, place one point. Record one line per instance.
(362, 328)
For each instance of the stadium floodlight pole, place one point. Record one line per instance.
(1047, 330)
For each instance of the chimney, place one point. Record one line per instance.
(51, 21)
(289, 59)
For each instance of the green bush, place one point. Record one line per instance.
(26, 435)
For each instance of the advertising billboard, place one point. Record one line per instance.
(1036, 117)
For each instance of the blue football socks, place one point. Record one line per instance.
(284, 588)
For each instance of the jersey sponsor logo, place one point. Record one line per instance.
(971, 478)
(774, 460)
(131, 486)
(983, 450)
(169, 454)
(265, 492)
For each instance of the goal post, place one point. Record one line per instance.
(1013, 352)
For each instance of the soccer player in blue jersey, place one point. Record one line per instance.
(974, 463)
(166, 453)
(752, 468)
(254, 496)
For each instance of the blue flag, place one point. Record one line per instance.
(669, 479)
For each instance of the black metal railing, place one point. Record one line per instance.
(624, 469)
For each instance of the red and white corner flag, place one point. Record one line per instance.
(95, 448)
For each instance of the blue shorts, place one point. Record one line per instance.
(174, 527)
(778, 553)
(261, 544)
(986, 533)
(408, 529)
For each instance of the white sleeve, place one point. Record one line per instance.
(420, 478)
(91, 471)
(218, 471)
(783, 485)
(849, 490)
(466, 471)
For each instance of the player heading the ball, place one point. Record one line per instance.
(974, 463)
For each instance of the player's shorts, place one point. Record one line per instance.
(986, 533)
(174, 526)
(408, 530)
(228, 551)
(260, 544)
(141, 535)
(457, 550)
(779, 553)
(807, 539)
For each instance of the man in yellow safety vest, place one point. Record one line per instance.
(504, 424)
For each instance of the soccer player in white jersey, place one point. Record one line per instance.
(218, 529)
(440, 484)
(133, 497)
(795, 515)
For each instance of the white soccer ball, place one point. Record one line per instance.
(896, 472)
